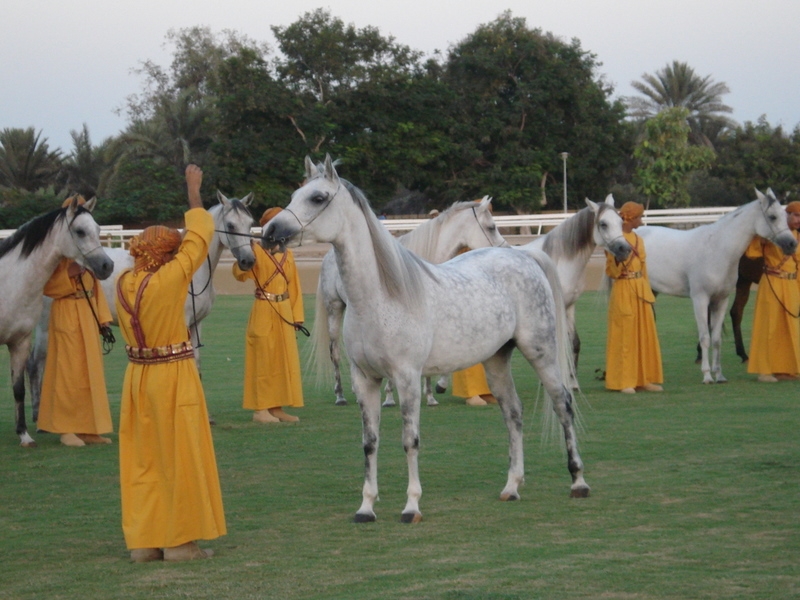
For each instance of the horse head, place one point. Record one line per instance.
(81, 239)
(233, 222)
(321, 187)
(772, 225)
(608, 228)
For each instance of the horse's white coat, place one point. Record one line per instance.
(702, 263)
(406, 318)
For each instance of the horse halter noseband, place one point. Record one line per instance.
(85, 255)
(769, 223)
(606, 241)
(299, 222)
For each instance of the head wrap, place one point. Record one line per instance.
(154, 247)
(68, 201)
(269, 214)
(793, 207)
(630, 210)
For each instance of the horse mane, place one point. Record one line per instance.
(34, 232)
(573, 237)
(423, 240)
(400, 271)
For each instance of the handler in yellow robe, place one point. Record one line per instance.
(775, 345)
(272, 361)
(74, 400)
(633, 354)
(168, 473)
(470, 383)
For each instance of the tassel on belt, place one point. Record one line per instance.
(262, 295)
(160, 354)
(82, 294)
(631, 275)
(780, 274)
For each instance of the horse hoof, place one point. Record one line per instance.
(30, 444)
(722, 379)
(439, 389)
(364, 518)
(579, 492)
(433, 403)
(509, 497)
(412, 517)
(389, 403)
(341, 402)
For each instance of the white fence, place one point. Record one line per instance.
(683, 218)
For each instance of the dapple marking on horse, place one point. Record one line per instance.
(406, 318)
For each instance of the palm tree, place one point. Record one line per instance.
(86, 165)
(675, 85)
(26, 161)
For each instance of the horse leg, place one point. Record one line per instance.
(716, 320)
(737, 313)
(35, 369)
(334, 331)
(408, 392)
(442, 383)
(368, 394)
(428, 393)
(700, 304)
(19, 355)
(498, 376)
(388, 390)
(576, 344)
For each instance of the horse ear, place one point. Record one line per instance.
(759, 195)
(330, 170)
(90, 204)
(486, 201)
(247, 199)
(222, 198)
(311, 169)
(771, 194)
(610, 200)
(592, 205)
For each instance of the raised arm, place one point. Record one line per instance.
(194, 177)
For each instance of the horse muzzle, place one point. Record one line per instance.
(786, 242)
(620, 249)
(99, 264)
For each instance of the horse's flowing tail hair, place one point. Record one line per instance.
(318, 360)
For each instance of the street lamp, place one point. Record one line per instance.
(564, 156)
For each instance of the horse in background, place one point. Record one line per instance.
(463, 225)
(232, 224)
(701, 263)
(27, 261)
(406, 318)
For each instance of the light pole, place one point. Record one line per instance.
(564, 156)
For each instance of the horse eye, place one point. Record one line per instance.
(772, 217)
(231, 227)
(603, 226)
(319, 198)
(80, 232)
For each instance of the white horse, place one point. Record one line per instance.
(570, 246)
(702, 263)
(463, 225)
(232, 223)
(406, 318)
(27, 261)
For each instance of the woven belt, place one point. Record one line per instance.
(780, 274)
(262, 295)
(160, 354)
(631, 275)
(82, 294)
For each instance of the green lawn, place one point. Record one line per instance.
(695, 493)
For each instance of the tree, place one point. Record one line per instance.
(665, 159)
(26, 161)
(84, 168)
(677, 85)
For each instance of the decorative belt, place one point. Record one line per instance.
(780, 274)
(160, 354)
(262, 295)
(82, 294)
(631, 275)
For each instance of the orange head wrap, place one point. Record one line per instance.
(154, 247)
(630, 210)
(269, 214)
(68, 201)
(793, 207)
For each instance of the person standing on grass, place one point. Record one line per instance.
(633, 354)
(775, 345)
(168, 472)
(74, 400)
(272, 361)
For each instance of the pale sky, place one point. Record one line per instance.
(66, 63)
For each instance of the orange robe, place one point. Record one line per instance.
(775, 345)
(633, 354)
(470, 382)
(74, 397)
(272, 361)
(168, 471)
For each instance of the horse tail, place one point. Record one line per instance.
(318, 360)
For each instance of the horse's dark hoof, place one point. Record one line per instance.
(509, 497)
(341, 402)
(29, 445)
(412, 517)
(581, 492)
(212, 421)
(439, 389)
(364, 518)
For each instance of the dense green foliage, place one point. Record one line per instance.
(694, 493)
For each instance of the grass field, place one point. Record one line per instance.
(695, 493)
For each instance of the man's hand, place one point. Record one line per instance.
(194, 177)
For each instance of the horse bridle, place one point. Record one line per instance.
(606, 241)
(299, 222)
(769, 223)
(505, 244)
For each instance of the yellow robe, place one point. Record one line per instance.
(775, 345)
(272, 362)
(168, 472)
(74, 396)
(470, 382)
(633, 354)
